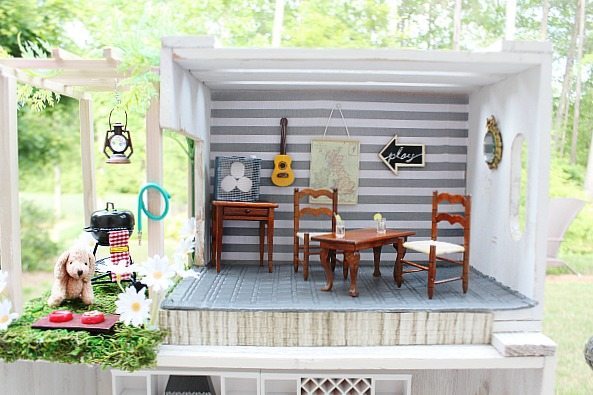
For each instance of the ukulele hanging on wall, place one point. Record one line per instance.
(282, 175)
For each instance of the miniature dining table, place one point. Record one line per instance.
(352, 242)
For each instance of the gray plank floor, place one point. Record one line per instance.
(250, 287)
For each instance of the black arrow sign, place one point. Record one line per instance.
(396, 155)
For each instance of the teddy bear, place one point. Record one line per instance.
(72, 277)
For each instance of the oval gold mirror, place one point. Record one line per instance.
(492, 143)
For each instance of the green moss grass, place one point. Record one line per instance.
(127, 348)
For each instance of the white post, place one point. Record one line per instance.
(199, 201)
(154, 173)
(278, 23)
(87, 140)
(10, 227)
(511, 12)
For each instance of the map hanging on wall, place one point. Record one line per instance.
(335, 163)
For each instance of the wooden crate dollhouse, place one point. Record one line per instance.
(232, 100)
(255, 332)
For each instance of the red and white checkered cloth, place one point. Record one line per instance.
(119, 251)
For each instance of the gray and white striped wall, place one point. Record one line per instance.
(246, 123)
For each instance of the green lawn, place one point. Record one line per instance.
(568, 320)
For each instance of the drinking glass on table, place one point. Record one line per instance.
(340, 229)
(381, 226)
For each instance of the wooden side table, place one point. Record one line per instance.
(243, 211)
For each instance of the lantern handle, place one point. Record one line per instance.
(125, 126)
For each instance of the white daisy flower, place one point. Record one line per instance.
(157, 273)
(179, 261)
(189, 229)
(185, 246)
(120, 269)
(3, 278)
(133, 307)
(86, 241)
(6, 317)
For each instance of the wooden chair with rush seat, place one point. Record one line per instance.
(302, 239)
(434, 248)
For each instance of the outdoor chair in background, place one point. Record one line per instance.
(436, 249)
(561, 213)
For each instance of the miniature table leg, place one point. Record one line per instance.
(219, 230)
(261, 242)
(377, 261)
(353, 259)
(399, 266)
(329, 275)
(332, 259)
(270, 240)
(213, 235)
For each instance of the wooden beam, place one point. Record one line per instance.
(62, 54)
(10, 228)
(41, 83)
(424, 357)
(380, 87)
(87, 150)
(48, 84)
(347, 76)
(359, 59)
(154, 173)
(113, 55)
(93, 74)
(55, 64)
(523, 344)
(84, 82)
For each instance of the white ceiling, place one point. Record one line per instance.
(351, 69)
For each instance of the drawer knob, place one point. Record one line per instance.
(247, 210)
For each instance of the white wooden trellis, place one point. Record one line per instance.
(75, 77)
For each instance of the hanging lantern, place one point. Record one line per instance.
(118, 142)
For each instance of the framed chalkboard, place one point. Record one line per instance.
(396, 155)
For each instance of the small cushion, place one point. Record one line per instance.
(442, 247)
(301, 235)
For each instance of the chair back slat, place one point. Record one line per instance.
(316, 211)
(315, 192)
(451, 218)
(453, 199)
(462, 219)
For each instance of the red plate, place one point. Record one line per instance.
(60, 316)
(92, 317)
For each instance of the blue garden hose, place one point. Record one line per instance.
(143, 209)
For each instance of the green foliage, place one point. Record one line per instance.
(38, 250)
(566, 181)
(47, 138)
(31, 20)
(127, 348)
(337, 24)
(35, 98)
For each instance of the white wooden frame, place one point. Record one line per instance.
(10, 228)
(77, 77)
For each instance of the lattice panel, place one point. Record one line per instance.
(335, 386)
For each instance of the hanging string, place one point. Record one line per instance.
(117, 94)
(339, 107)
